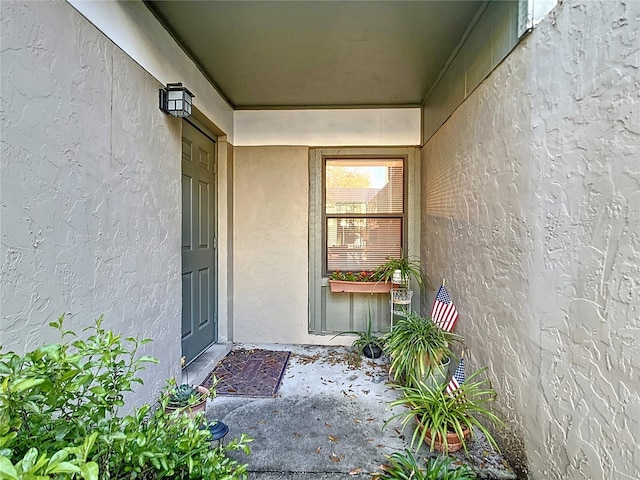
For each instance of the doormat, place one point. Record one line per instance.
(249, 373)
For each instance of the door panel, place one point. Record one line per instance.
(199, 286)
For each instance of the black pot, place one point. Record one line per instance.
(372, 351)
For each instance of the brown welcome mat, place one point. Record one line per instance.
(249, 373)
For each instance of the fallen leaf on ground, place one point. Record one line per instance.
(332, 438)
(355, 471)
(334, 458)
(296, 434)
(355, 420)
(328, 425)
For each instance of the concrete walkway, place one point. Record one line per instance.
(326, 422)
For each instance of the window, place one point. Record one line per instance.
(364, 212)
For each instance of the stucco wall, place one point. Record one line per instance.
(271, 210)
(531, 210)
(90, 217)
(133, 28)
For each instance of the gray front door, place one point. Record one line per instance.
(199, 306)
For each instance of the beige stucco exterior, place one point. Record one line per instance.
(271, 187)
(531, 210)
(90, 203)
(530, 195)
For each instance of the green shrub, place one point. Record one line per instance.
(59, 417)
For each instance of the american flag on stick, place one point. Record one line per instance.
(444, 313)
(457, 379)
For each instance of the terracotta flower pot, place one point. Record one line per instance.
(192, 410)
(453, 443)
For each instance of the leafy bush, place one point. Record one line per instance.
(59, 418)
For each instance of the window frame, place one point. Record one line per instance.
(331, 313)
(325, 216)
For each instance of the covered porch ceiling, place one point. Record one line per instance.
(319, 54)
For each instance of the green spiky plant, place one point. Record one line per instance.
(364, 339)
(417, 346)
(404, 466)
(440, 413)
(410, 268)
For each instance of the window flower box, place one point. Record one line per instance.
(344, 286)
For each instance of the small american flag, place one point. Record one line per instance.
(444, 313)
(457, 379)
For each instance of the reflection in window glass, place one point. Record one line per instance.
(364, 212)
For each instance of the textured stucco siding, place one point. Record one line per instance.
(90, 183)
(271, 223)
(531, 210)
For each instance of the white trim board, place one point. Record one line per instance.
(320, 128)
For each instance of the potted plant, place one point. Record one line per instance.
(358, 282)
(366, 343)
(188, 399)
(402, 270)
(418, 348)
(445, 421)
(403, 466)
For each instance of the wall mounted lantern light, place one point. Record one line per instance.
(176, 100)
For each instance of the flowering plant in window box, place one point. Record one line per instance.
(358, 282)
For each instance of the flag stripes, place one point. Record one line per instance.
(457, 379)
(444, 312)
